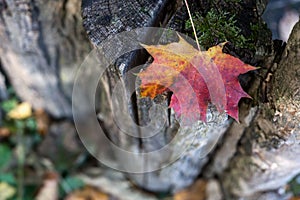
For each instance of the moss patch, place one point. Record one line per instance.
(235, 21)
(216, 27)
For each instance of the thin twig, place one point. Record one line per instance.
(190, 16)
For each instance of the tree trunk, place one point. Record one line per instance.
(42, 42)
(268, 151)
(175, 176)
(244, 159)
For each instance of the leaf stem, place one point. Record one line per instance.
(191, 19)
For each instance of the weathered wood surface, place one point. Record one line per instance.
(268, 153)
(185, 170)
(42, 42)
(103, 18)
(252, 160)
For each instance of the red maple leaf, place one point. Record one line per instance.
(196, 78)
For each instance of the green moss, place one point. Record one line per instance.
(294, 186)
(216, 27)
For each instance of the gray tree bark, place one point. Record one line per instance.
(268, 152)
(42, 42)
(248, 160)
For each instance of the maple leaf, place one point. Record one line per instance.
(196, 78)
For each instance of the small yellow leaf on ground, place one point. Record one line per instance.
(88, 193)
(22, 111)
(6, 191)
